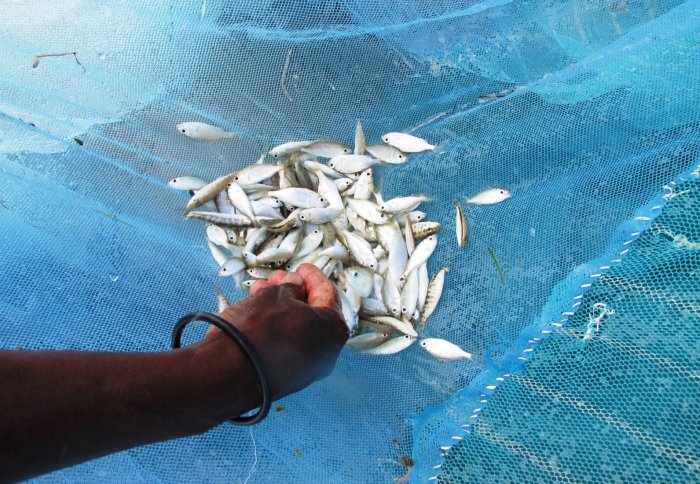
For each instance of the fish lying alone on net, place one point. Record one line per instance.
(299, 209)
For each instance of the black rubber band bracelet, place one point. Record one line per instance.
(247, 348)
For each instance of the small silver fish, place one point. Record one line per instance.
(360, 280)
(217, 235)
(373, 307)
(221, 300)
(299, 197)
(366, 341)
(392, 346)
(209, 191)
(400, 205)
(258, 272)
(364, 186)
(409, 295)
(225, 219)
(387, 154)
(424, 229)
(351, 163)
(461, 227)
(217, 253)
(359, 248)
(434, 294)
(423, 251)
(343, 184)
(232, 266)
(407, 143)
(314, 166)
(490, 196)
(444, 350)
(368, 211)
(286, 149)
(319, 215)
(309, 244)
(326, 149)
(187, 183)
(255, 173)
(423, 283)
(239, 199)
(204, 132)
(359, 139)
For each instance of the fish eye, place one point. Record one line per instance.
(183, 130)
(322, 200)
(174, 180)
(315, 231)
(346, 150)
(302, 217)
(386, 140)
(404, 309)
(289, 267)
(331, 165)
(223, 269)
(501, 192)
(423, 343)
(235, 178)
(275, 155)
(400, 157)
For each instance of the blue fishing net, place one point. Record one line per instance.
(588, 112)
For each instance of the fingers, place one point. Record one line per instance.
(276, 277)
(257, 285)
(320, 291)
(292, 278)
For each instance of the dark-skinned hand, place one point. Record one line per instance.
(293, 321)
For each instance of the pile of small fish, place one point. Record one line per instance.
(298, 209)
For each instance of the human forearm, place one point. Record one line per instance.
(59, 408)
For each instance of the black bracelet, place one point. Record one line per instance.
(248, 349)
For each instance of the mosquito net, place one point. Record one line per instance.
(588, 112)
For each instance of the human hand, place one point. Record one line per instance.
(293, 321)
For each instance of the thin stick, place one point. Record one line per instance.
(498, 266)
(283, 78)
(35, 62)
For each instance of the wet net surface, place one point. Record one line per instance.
(582, 111)
(609, 399)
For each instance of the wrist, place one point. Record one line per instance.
(225, 379)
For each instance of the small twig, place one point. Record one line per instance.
(498, 266)
(35, 61)
(283, 78)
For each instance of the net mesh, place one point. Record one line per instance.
(621, 390)
(583, 110)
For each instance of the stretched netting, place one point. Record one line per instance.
(583, 110)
